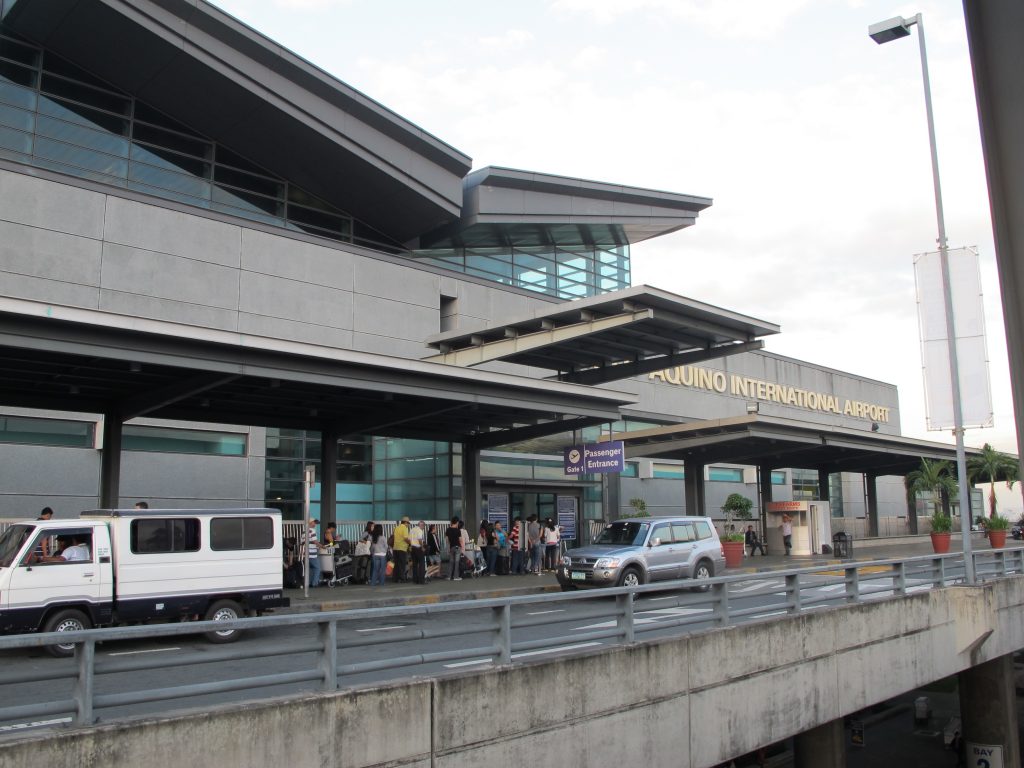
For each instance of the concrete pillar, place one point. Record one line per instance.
(764, 486)
(110, 462)
(871, 502)
(821, 747)
(471, 490)
(824, 491)
(911, 508)
(693, 488)
(988, 711)
(328, 475)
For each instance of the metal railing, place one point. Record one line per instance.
(490, 631)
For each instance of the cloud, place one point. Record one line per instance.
(513, 39)
(739, 19)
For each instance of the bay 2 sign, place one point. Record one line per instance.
(595, 458)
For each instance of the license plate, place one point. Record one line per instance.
(579, 576)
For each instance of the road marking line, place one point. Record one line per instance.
(524, 654)
(759, 584)
(35, 724)
(145, 650)
(382, 629)
(538, 613)
(831, 588)
(468, 663)
(766, 615)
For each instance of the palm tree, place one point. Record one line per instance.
(934, 477)
(990, 466)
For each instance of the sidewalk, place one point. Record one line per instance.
(354, 596)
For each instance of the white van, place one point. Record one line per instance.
(128, 565)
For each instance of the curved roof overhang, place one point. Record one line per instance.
(776, 443)
(507, 203)
(59, 358)
(224, 79)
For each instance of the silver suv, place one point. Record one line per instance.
(641, 550)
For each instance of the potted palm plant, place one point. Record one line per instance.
(935, 478)
(997, 527)
(942, 527)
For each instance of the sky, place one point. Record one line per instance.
(810, 139)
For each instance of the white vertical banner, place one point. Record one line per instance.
(971, 348)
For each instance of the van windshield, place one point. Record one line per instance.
(11, 541)
(623, 534)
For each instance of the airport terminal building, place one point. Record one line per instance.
(221, 265)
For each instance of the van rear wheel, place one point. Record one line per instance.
(65, 621)
(223, 610)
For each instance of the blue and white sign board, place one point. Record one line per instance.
(497, 509)
(566, 507)
(984, 755)
(595, 458)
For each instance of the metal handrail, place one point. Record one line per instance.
(491, 618)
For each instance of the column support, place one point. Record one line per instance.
(988, 708)
(693, 488)
(110, 462)
(328, 475)
(472, 492)
(821, 747)
(871, 503)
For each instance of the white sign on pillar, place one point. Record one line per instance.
(984, 755)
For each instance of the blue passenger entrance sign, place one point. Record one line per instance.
(595, 458)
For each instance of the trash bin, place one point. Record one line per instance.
(842, 544)
(922, 710)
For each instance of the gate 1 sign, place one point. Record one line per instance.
(984, 755)
(595, 458)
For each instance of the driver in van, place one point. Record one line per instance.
(75, 550)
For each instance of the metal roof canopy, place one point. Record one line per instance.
(609, 337)
(132, 367)
(775, 442)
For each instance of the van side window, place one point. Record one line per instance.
(231, 533)
(703, 529)
(152, 536)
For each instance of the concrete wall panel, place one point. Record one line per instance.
(186, 313)
(268, 254)
(405, 285)
(52, 292)
(278, 328)
(292, 300)
(43, 253)
(51, 205)
(184, 479)
(150, 273)
(152, 228)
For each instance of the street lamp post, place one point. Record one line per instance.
(883, 32)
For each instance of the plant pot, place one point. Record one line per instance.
(940, 542)
(997, 539)
(733, 553)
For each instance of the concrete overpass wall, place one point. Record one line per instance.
(688, 702)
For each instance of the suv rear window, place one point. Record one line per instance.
(703, 529)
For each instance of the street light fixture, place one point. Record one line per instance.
(883, 32)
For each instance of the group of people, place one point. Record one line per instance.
(754, 544)
(529, 546)
(413, 552)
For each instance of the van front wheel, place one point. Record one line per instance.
(65, 621)
(223, 610)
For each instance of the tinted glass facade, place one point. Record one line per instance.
(57, 116)
(567, 271)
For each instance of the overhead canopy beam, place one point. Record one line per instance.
(484, 351)
(150, 401)
(619, 371)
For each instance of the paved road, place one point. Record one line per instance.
(557, 627)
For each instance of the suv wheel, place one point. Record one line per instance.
(631, 577)
(703, 572)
